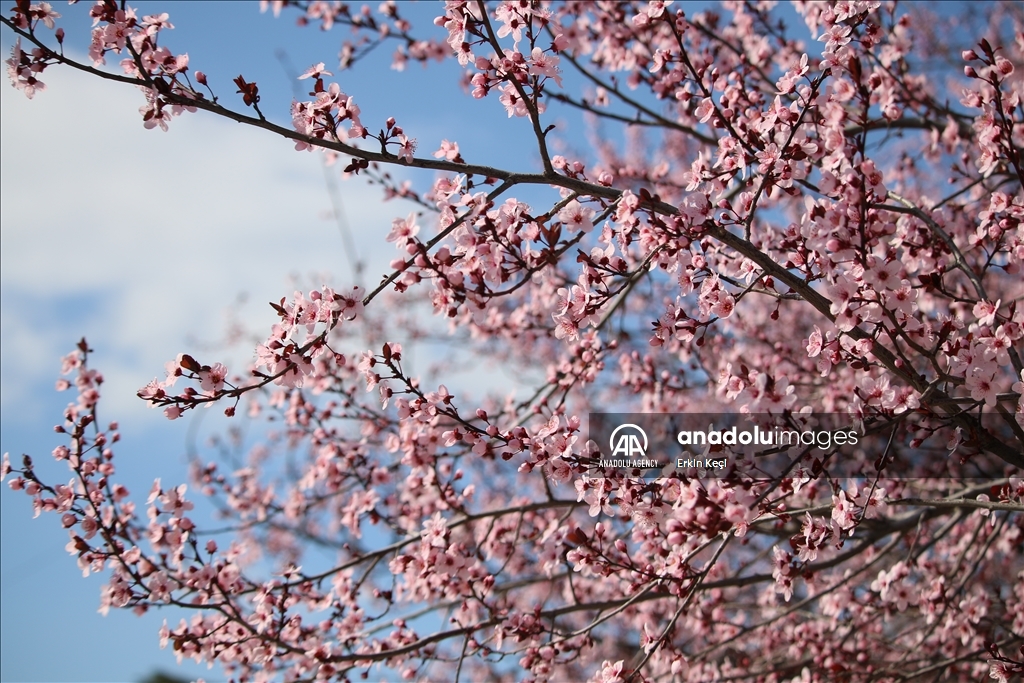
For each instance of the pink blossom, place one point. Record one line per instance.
(403, 230)
(349, 305)
(985, 312)
(315, 71)
(782, 572)
(610, 672)
(212, 380)
(982, 383)
(843, 511)
(575, 216)
(514, 104)
(544, 64)
(448, 151)
(704, 110)
(814, 343)
(406, 148)
(883, 275)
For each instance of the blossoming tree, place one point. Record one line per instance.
(830, 226)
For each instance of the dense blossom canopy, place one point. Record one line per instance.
(819, 219)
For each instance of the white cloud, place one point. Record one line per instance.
(139, 239)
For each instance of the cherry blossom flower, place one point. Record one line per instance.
(985, 312)
(575, 216)
(544, 64)
(212, 380)
(843, 511)
(403, 230)
(448, 150)
(315, 71)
